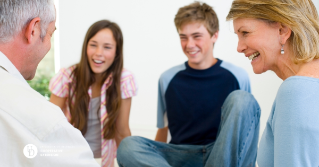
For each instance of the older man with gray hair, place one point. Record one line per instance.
(34, 132)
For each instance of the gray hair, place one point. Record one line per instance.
(16, 14)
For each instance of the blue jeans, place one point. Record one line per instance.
(235, 145)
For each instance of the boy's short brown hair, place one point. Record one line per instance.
(198, 12)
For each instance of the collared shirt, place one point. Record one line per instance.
(7, 65)
(62, 83)
(26, 117)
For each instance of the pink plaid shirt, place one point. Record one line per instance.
(59, 86)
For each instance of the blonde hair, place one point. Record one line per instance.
(299, 15)
(198, 12)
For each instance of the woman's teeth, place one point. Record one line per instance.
(97, 61)
(253, 56)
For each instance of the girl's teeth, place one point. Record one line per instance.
(97, 61)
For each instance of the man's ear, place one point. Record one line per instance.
(33, 29)
(284, 33)
(215, 37)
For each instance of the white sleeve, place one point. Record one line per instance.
(69, 145)
(27, 118)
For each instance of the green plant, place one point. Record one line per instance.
(41, 84)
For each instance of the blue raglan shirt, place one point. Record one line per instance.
(191, 100)
(291, 136)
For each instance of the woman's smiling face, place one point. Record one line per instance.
(259, 41)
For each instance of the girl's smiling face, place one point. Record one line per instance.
(101, 51)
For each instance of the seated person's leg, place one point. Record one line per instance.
(137, 151)
(236, 143)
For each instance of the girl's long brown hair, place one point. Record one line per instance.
(84, 78)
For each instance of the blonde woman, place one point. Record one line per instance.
(283, 36)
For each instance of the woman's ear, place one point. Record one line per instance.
(284, 33)
(33, 29)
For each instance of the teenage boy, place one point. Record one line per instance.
(208, 126)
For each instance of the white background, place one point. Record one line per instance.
(151, 46)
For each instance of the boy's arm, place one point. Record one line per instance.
(161, 135)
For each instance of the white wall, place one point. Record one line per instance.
(316, 2)
(151, 45)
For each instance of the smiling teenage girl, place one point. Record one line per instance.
(95, 94)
